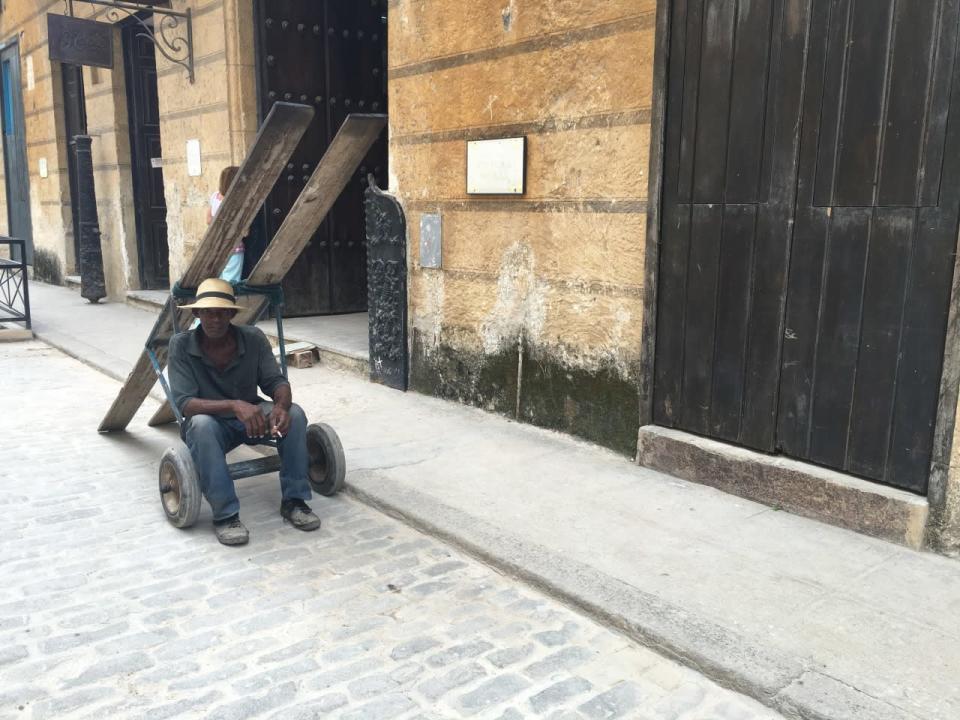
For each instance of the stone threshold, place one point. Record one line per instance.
(786, 484)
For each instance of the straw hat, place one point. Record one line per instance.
(214, 293)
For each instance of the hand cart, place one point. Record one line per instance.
(179, 484)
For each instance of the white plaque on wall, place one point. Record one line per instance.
(193, 158)
(496, 167)
(42, 162)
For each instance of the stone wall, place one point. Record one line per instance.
(537, 311)
(218, 109)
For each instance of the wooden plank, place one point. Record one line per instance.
(888, 262)
(835, 364)
(332, 173)
(701, 301)
(671, 322)
(713, 107)
(774, 228)
(938, 99)
(830, 110)
(800, 330)
(688, 87)
(733, 318)
(275, 142)
(748, 103)
(915, 30)
(863, 103)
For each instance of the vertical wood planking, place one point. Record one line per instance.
(668, 368)
(888, 261)
(831, 105)
(835, 363)
(713, 107)
(863, 102)
(924, 320)
(909, 83)
(689, 90)
(733, 319)
(674, 236)
(705, 247)
(938, 105)
(774, 228)
(810, 237)
(748, 106)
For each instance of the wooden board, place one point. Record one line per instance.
(274, 144)
(333, 172)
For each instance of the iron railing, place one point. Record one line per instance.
(14, 288)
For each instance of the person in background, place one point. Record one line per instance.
(233, 270)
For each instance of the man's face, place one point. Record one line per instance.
(215, 321)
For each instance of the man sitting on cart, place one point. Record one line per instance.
(214, 372)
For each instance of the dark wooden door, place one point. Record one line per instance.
(145, 155)
(75, 123)
(19, 224)
(811, 204)
(332, 55)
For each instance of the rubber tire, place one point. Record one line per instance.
(328, 467)
(181, 503)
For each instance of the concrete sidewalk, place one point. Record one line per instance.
(813, 620)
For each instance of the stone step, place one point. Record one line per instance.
(329, 356)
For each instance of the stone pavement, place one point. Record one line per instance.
(108, 611)
(810, 619)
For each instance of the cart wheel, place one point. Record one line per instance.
(179, 487)
(327, 464)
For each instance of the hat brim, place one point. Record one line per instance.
(211, 305)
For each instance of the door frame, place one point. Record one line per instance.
(141, 232)
(945, 419)
(18, 110)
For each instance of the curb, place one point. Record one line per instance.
(789, 684)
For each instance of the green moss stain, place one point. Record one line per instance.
(599, 406)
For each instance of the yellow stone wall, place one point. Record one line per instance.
(218, 109)
(554, 276)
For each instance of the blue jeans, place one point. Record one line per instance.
(211, 437)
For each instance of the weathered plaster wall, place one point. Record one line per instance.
(538, 306)
(26, 21)
(219, 110)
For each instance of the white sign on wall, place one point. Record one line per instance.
(31, 79)
(496, 167)
(193, 158)
(42, 162)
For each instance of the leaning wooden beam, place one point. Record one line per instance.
(341, 159)
(274, 144)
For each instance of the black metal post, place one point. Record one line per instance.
(91, 256)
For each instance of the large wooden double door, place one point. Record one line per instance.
(332, 55)
(810, 216)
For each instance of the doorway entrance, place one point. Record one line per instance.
(75, 122)
(331, 55)
(143, 108)
(19, 224)
(811, 200)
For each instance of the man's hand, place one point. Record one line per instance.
(251, 417)
(279, 421)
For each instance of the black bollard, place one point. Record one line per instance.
(91, 256)
(386, 287)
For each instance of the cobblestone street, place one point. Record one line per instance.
(108, 611)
